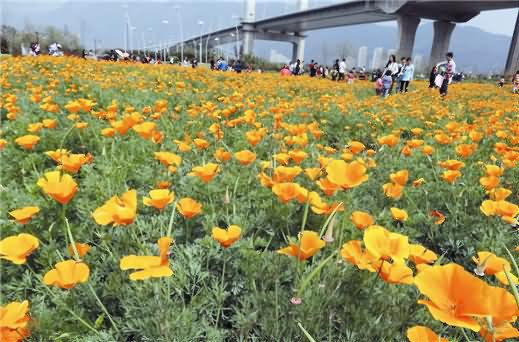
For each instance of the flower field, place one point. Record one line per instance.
(159, 203)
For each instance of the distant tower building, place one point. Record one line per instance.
(419, 62)
(82, 33)
(391, 52)
(350, 62)
(362, 57)
(378, 58)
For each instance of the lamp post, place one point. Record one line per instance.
(177, 9)
(150, 41)
(217, 48)
(132, 46)
(236, 17)
(126, 32)
(164, 53)
(201, 23)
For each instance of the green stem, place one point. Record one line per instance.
(103, 307)
(171, 219)
(222, 288)
(308, 336)
(307, 280)
(72, 242)
(465, 334)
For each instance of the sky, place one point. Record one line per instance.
(499, 21)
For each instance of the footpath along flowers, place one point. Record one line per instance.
(149, 266)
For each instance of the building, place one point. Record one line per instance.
(378, 58)
(362, 57)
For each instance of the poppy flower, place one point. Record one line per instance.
(423, 334)
(226, 237)
(81, 248)
(399, 177)
(201, 144)
(67, 274)
(386, 245)
(440, 218)
(352, 252)
(489, 264)
(27, 141)
(35, 127)
(286, 191)
(418, 182)
(309, 245)
(117, 210)
(17, 248)
(24, 215)
(501, 331)
(149, 266)
(159, 198)
(466, 150)
(298, 156)
(457, 298)
(327, 187)
(356, 147)
(108, 132)
(206, 172)
(222, 155)
(362, 220)
(389, 140)
(73, 162)
(49, 123)
(312, 173)
(499, 194)
(394, 273)
(451, 164)
(427, 150)
(286, 173)
(145, 130)
(346, 175)
(450, 176)
(14, 319)
(3, 143)
(399, 214)
(60, 187)
(265, 180)
(421, 255)
(245, 157)
(489, 183)
(168, 158)
(392, 190)
(189, 208)
(493, 170)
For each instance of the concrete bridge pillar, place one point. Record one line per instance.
(298, 49)
(248, 39)
(407, 26)
(512, 62)
(441, 40)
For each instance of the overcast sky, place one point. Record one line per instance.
(500, 21)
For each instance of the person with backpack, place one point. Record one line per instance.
(450, 70)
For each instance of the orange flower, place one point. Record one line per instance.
(286, 191)
(189, 208)
(117, 210)
(222, 155)
(423, 334)
(3, 143)
(168, 158)
(149, 266)
(145, 130)
(206, 172)
(309, 245)
(362, 220)
(493, 170)
(159, 198)
(427, 150)
(421, 255)
(245, 157)
(394, 273)
(352, 252)
(356, 147)
(346, 175)
(24, 215)
(183, 146)
(73, 162)
(49, 123)
(452, 164)
(17, 248)
(312, 173)
(27, 141)
(298, 156)
(282, 158)
(108, 132)
(465, 150)
(60, 187)
(67, 274)
(499, 194)
(13, 321)
(265, 180)
(440, 218)
(450, 176)
(399, 214)
(502, 331)
(418, 182)
(393, 190)
(385, 245)
(81, 248)
(457, 298)
(285, 173)
(399, 177)
(226, 237)
(489, 183)
(389, 140)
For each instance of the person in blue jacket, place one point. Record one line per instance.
(406, 75)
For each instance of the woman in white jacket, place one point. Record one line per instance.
(392, 66)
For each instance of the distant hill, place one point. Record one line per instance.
(475, 49)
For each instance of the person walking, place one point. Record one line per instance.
(450, 69)
(515, 82)
(406, 75)
(432, 77)
(342, 70)
(387, 83)
(392, 66)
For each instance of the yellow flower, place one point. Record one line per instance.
(61, 187)
(309, 245)
(346, 175)
(67, 274)
(399, 214)
(17, 248)
(226, 237)
(27, 141)
(24, 215)
(159, 198)
(117, 210)
(149, 266)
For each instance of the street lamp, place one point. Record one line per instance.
(201, 23)
(132, 47)
(177, 9)
(126, 27)
(237, 36)
(164, 54)
(150, 41)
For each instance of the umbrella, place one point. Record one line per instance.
(119, 52)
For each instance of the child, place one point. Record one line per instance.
(516, 82)
(387, 81)
(378, 85)
(501, 82)
(351, 77)
(432, 77)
